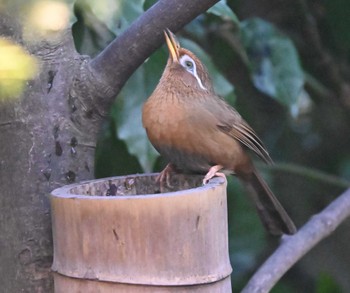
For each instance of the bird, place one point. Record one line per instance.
(198, 132)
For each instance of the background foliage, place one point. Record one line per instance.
(286, 69)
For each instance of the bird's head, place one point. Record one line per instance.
(185, 67)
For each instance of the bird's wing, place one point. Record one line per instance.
(246, 135)
(233, 125)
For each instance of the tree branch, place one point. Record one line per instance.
(306, 172)
(294, 247)
(114, 65)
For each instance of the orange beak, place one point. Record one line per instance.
(173, 45)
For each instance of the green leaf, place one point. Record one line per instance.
(222, 10)
(274, 61)
(244, 247)
(112, 157)
(337, 16)
(283, 287)
(326, 284)
(116, 15)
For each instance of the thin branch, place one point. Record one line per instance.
(294, 247)
(114, 65)
(306, 172)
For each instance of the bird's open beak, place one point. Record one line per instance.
(173, 45)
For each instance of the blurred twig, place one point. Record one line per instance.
(307, 172)
(294, 247)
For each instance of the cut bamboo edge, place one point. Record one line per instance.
(139, 240)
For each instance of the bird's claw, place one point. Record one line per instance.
(164, 177)
(213, 171)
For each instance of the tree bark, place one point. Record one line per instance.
(41, 149)
(48, 135)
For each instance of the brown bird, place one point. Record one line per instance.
(197, 131)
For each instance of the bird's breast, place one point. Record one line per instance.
(165, 123)
(187, 136)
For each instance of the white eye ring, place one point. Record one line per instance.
(188, 63)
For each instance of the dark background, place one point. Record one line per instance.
(288, 62)
(283, 64)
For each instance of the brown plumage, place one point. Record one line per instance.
(197, 131)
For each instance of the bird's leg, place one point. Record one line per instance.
(164, 176)
(213, 171)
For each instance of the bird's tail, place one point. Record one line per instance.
(271, 212)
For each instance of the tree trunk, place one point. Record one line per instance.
(47, 140)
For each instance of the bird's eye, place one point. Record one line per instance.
(189, 64)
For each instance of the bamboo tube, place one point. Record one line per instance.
(140, 241)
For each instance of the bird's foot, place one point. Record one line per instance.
(213, 171)
(165, 176)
